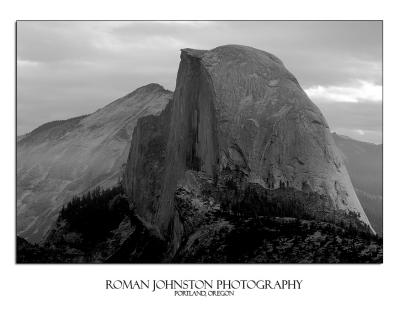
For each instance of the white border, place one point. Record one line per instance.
(81, 287)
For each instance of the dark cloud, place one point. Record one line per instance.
(71, 68)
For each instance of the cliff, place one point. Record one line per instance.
(237, 116)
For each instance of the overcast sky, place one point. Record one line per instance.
(66, 69)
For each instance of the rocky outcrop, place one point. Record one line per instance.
(146, 163)
(237, 116)
(61, 159)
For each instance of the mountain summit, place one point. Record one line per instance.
(238, 117)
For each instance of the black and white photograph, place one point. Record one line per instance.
(199, 155)
(199, 142)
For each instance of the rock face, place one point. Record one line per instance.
(65, 158)
(237, 113)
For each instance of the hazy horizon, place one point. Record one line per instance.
(67, 69)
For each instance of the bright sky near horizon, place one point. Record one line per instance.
(66, 69)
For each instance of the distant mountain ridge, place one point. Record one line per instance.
(63, 158)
